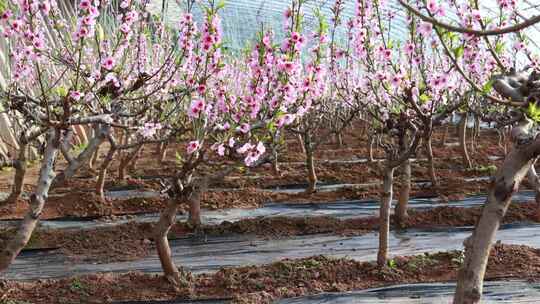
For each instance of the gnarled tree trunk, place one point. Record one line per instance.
(37, 201)
(275, 162)
(534, 181)
(477, 247)
(124, 162)
(312, 175)
(77, 163)
(370, 149)
(195, 202)
(162, 152)
(339, 140)
(384, 216)
(463, 141)
(100, 184)
(301, 143)
(404, 194)
(20, 171)
(133, 163)
(161, 231)
(310, 163)
(93, 159)
(476, 133)
(444, 136)
(431, 161)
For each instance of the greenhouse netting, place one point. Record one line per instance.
(242, 19)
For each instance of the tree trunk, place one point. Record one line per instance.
(195, 212)
(93, 160)
(124, 162)
(339, 140)
(456, 134)
(312, 175)
(100, 184)
(158, 149)
(477, 247)
(384, 216)
(161, 231)
(503, 140)
(195, 202)
(133, 163)
(463, 141)
(476, 133)
(65, 146)
(444, 136)
(363, 130)
(78, 162)
(370, 151)
(37, 201)
(534, 181)
(20, 171)
(163, 152)
(301, 143)
(275, 162)
(431, 162)
(500, 136)
(124, 137)
(404, 194)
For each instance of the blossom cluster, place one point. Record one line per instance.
(86, 21)
(158, 80)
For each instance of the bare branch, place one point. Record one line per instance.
(511, 29)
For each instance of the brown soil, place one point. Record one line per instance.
(455, 217)
(133, 241)
(79, 204)
(283, 279)
(80, 201)
(436, 218)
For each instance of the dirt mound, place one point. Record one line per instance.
(283, 279)
(455, 216)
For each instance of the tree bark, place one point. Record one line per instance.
(339, 140)
(463, 141)
(476, 133)
(77, 163)
(500, 137)
(100, 184)
(94, 158)
(163, 152)
(312, 175)
(65, 146)
(133, 163)
(161, 231)
(534, 181)
(431, 162)
(195, 202)
(404, 194)
(363, 130)
(444, 136)
(37, 201)
(505, 139)
(275, 162)
(20, 171)
(384, 216)
(124, 162)
(301, 143)
(158, 149)
(477, 247)
(370, 150)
